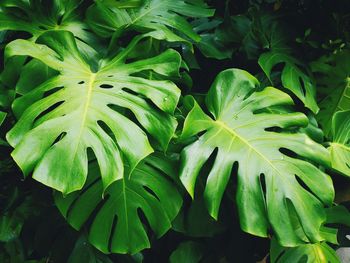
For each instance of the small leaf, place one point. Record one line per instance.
(340, 146)
(333, 86)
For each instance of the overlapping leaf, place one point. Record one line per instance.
(242, 130)
(308, 253)
(108, 17)
(340, 146)
(116, 224)
(38, 16)
(334, 86)
(318, 252)
(80, 109)
(293, 76)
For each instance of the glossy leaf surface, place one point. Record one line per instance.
(76, 110)
(268, 192)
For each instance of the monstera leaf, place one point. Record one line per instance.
(307, 253)
(107, 17)
(114, 222)
(80, 109)
(268, 31)
(38, 16)
(340, 146)
(334, 86)
(318, 252)
(293, 76)
(243, 129)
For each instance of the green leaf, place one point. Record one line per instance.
(333, 86)
(81, 112)
(167, 16)
(338, 215)
(116, 224)
(340, 146)
(268, 192)
(187, 252)
(60, 14)
(293, 77)
(215, 38)
(307, 253)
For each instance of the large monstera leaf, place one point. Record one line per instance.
(115, 222)
(80, 109)
(333, 80)
(244, 129)
(340, 146)
(107, 17)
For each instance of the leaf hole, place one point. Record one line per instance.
(273, 129)
(106, 86)
(113, 233)
(48, 110)
(81, 82)
(52, 91)
(302, 86)
(130, 91)
(205, 170)
(107, 130)
(151, 192)
(59, 137)
(144, 220)
(306, 188)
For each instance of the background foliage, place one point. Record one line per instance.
(174, 131)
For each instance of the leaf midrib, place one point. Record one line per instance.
(85, 112)
(231, 131)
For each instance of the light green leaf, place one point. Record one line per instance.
(167, 16)
(268, 192)
(307, 253)
(116, 225)
(340, 146)
(81, 112)
(333, 80)
(293, 77)
(2, 117)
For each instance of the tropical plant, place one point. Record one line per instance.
(174, 131)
